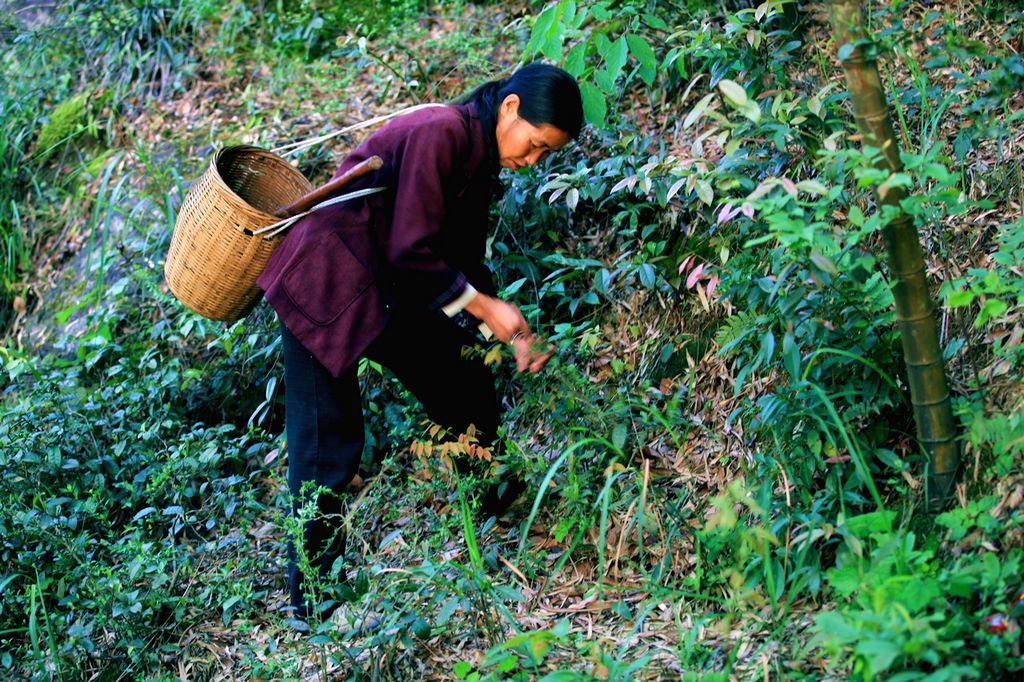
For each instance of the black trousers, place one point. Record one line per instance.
(324, 420)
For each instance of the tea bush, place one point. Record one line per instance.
(721, 447)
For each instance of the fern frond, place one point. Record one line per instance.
(734, 329)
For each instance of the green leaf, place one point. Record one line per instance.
(704, 192)
(539, 644)
(768, 345)
(595, 106)
(615, 59)
(733, 92)
(812, 186)
(508, 593)
(568, 13)
(63, 315)
(549, 33)
(791, 356)
(655, 22)
(562, 628)
(879, 653)
(856, 216)
(814, 106)
(619, 435)
(230, 601)
(143, 513)
(605, 81)
(514, 287)
(553, 49)
(507, 664)
(572, 198)
(824, 263)
(574, 63)
(446, 611)
(420, 628)
(845, 581)
(697, 110)
(539, 35)
(993, 308)
(962, 145)
(362, 582)
(461, 669)
(814, 442)
(645, 55)
(580, 18)
(958, 299)
(647, 275)
(871, 523)
(752, 111)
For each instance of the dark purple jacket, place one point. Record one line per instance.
(338, 272)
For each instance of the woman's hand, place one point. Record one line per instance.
(507, 323)
(531, 353)
(503, 318)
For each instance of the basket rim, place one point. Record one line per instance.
(236, 198)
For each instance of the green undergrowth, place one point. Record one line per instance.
(724, 480)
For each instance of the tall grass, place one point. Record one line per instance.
(98, 56)
(17, 123)
(150, 524)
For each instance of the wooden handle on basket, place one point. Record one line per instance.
(325, 191)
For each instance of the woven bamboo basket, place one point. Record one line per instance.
(214, 258)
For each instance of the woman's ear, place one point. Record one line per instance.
(510, 106)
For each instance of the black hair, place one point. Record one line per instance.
(547, 95)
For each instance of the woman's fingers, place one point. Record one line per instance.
(539, 362)
(521, 350)
(531, 355)
(507, 323)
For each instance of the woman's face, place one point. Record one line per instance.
(520, 143)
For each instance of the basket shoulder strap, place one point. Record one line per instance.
(274, 229)
(302, 145)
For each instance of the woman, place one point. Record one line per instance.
(382, 276)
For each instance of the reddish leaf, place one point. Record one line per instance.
(712, 284)
(694, 277)
(789, 186)
(726, 213)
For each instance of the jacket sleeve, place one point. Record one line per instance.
(426, 167)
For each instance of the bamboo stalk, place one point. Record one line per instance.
(929, 392)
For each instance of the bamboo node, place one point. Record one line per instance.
(933, 403)
(939, 441)
(918, 318)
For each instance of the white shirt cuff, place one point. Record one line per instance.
(467, 295)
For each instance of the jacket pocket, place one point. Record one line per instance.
(325, 279)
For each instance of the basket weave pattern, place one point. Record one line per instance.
(214, 259)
